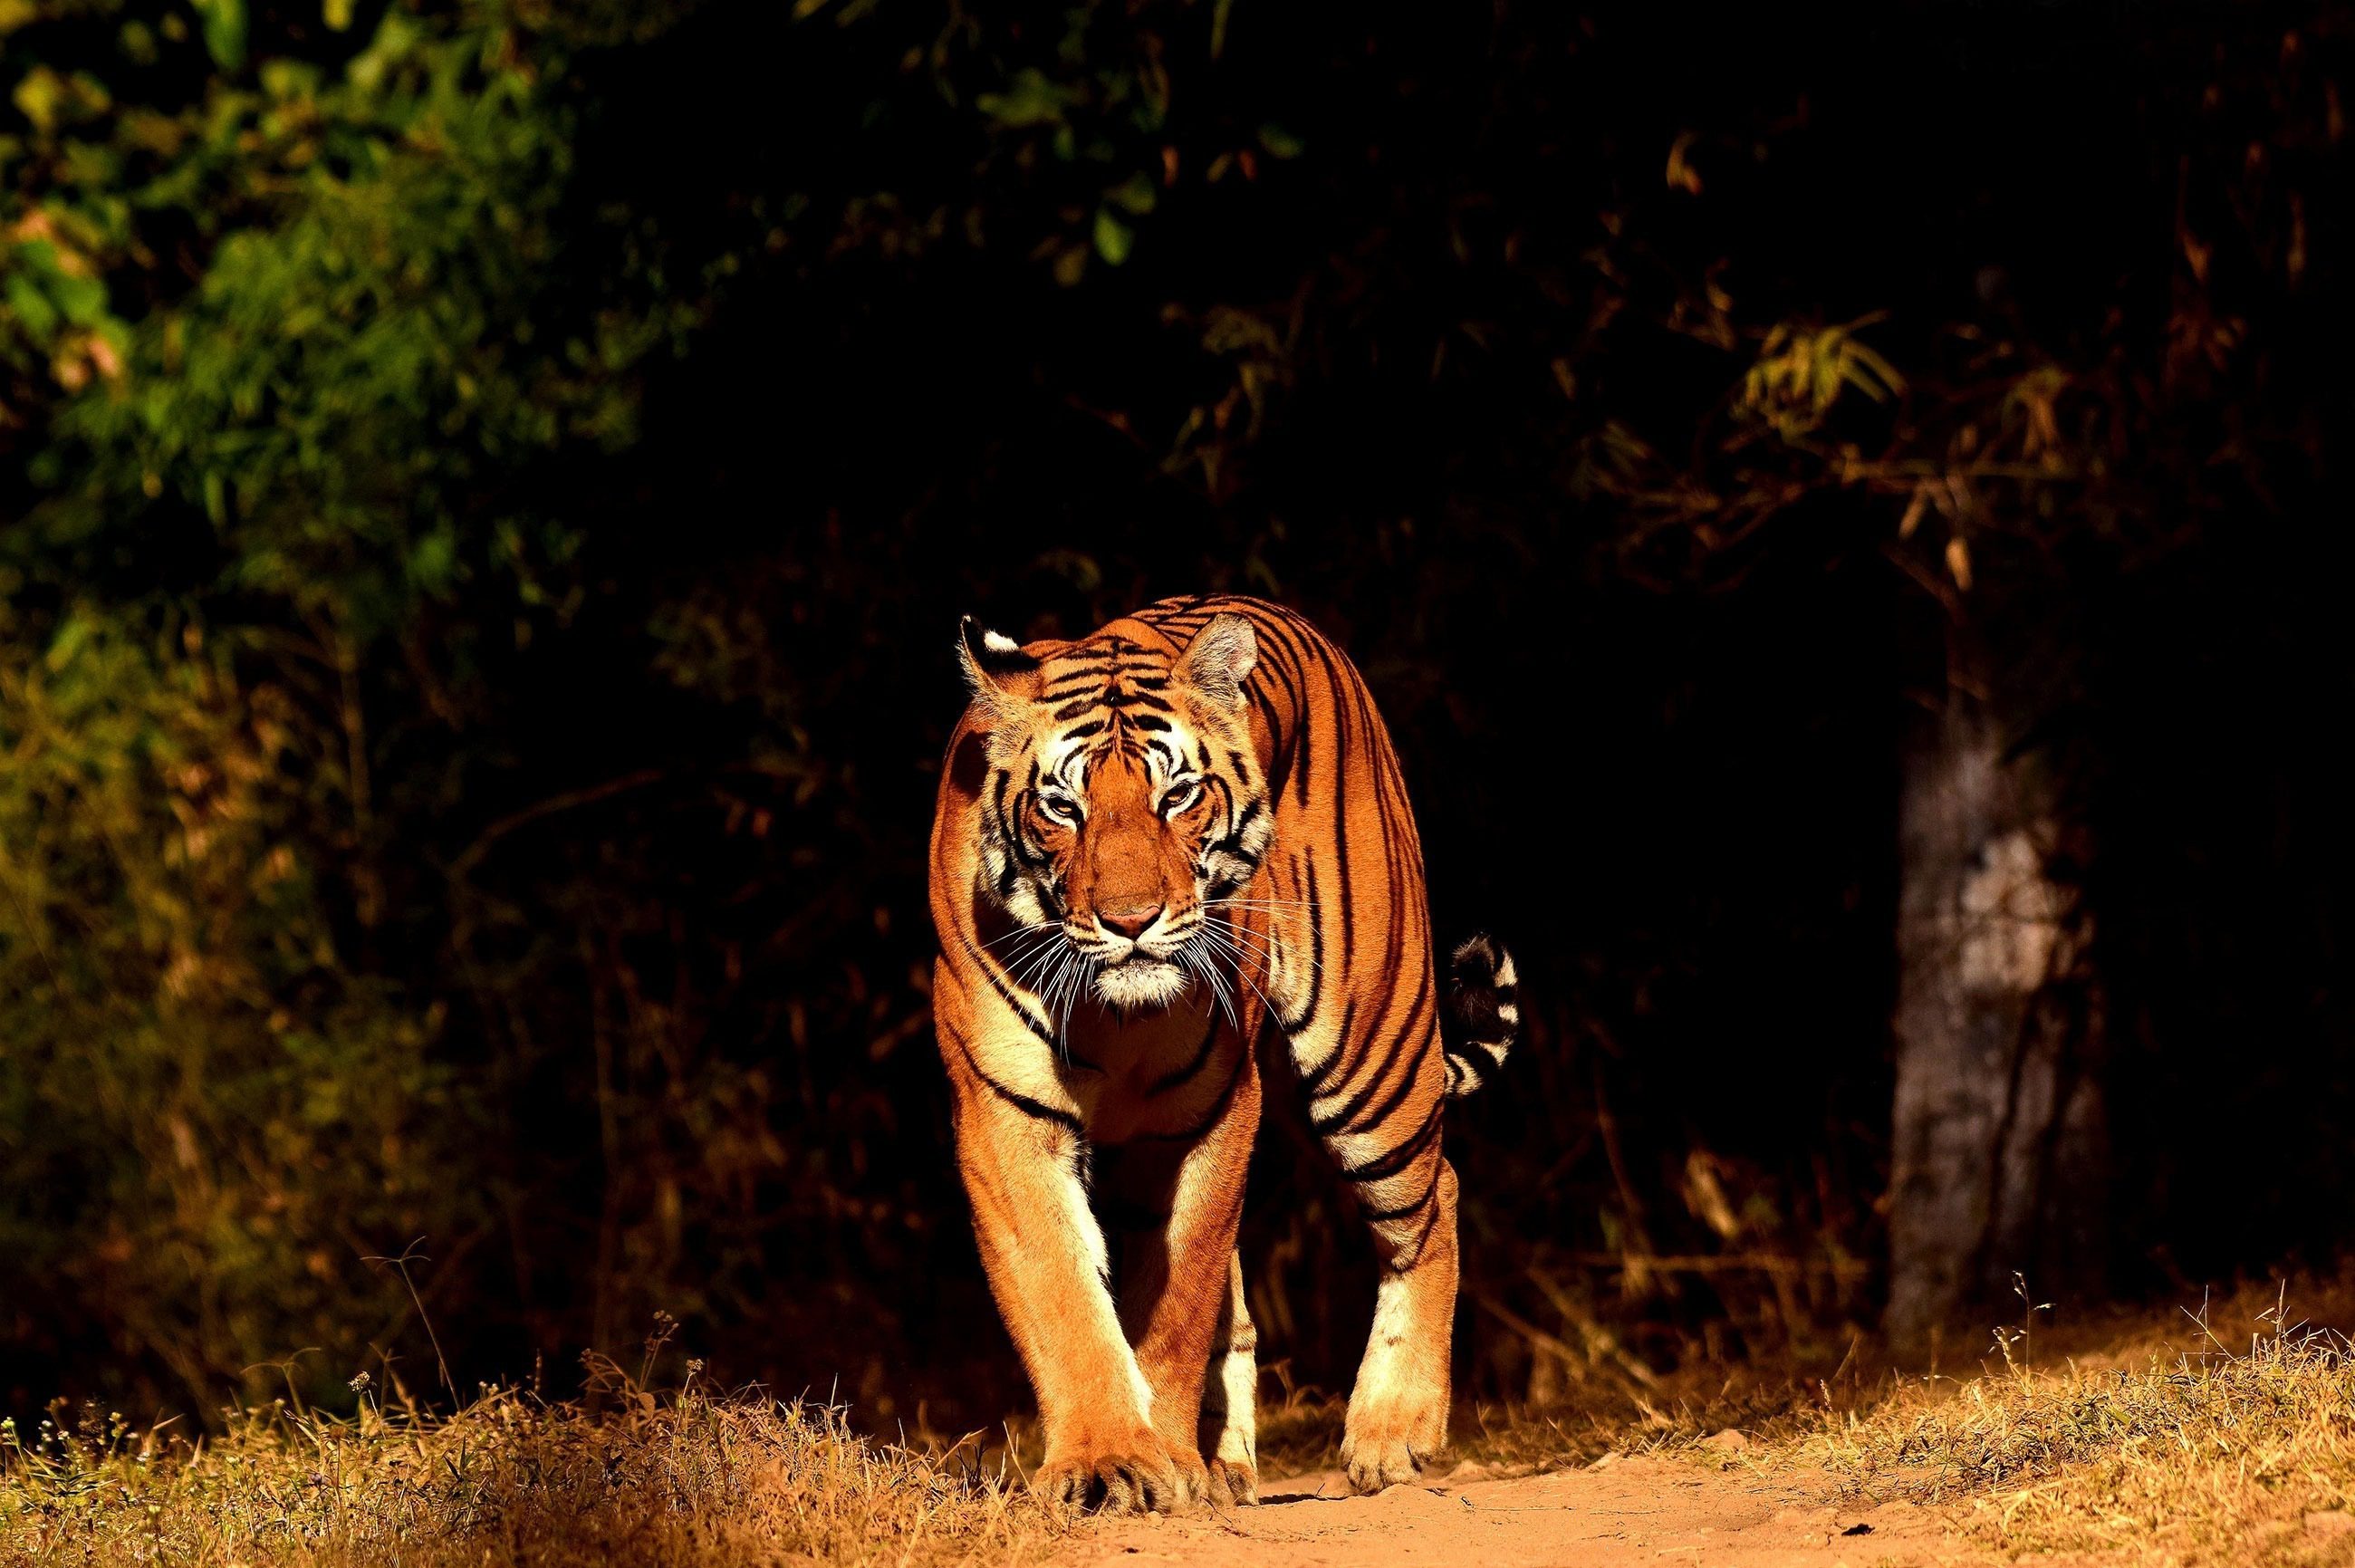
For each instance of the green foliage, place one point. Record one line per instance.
(203, 1106)
(228, 1103)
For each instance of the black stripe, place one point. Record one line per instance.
(1346, 1118)
(1307, 1014)
(1277, 735)
(1334, 1058)
(1223, 796)
(1021, 1101)
(1341, 830)
(1232, 844)
(1005, 994)
(1413, 1249)
(1296, 683)
(1080, 666)
(1397, 1096)
(1384, 1167)
(1008, 859)
(1380, 1216)
(1416, 1017)
(1030, 1107)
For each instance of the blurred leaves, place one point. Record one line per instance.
(1800, 374)
(1031, 100)
(188, 1055)
(253, 485)
(224, 30)
(1112, 237)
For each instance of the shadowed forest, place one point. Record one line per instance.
(1845, 511)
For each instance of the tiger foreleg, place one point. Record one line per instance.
(1046, 1260)
(1397, 1411)
(1228, 1429)
(1177, 1283)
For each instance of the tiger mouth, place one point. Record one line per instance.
(1140, 979)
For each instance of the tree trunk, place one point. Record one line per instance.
(1999, 1144)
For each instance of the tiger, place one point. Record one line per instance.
(1150, 845)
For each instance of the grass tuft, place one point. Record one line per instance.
(677, 1481)
(2198, 1456)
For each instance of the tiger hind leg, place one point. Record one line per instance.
(1230, 1424)
(1397, 1411)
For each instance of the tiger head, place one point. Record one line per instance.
(1124, 801)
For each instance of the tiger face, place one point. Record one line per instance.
(1124, 806)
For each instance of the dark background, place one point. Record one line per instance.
(481, 581)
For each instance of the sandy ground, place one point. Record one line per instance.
(1626, 1512)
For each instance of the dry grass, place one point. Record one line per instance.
(2226, 1438)
(2222, 1436)
(681, 1481)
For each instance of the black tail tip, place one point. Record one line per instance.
(1483, 1002)
(1482, 988)
(1479, 957)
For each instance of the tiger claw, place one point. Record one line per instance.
(1373, 1463)
(1233, 1483)
(1136, 1476)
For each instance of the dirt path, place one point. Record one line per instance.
(1628, 1511)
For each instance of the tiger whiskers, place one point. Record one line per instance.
(1056, 974)
(1025, 962)
(1199, 964)
(1074, 973)
(1221, 954)
(1243, 950)
(1035, 964)
(1052, 983)
(1255, 904)
(1216, 910)
(1025, 928)
(1242, 941)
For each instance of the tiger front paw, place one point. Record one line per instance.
(1132, 1473)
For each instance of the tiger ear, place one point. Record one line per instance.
(1219, 658)
(1002, 677)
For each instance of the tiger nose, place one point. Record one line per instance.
(1131, 922)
